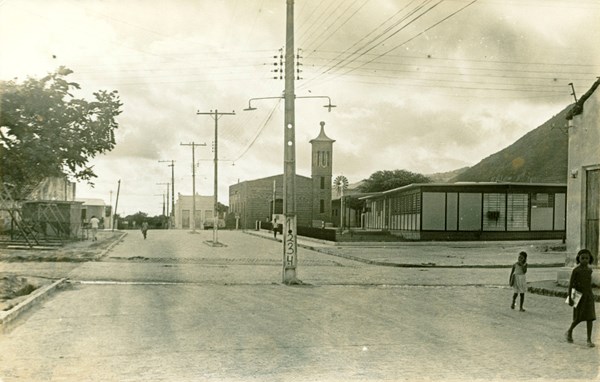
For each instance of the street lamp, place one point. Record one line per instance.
(329, 105)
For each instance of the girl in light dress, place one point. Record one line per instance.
(518, 280)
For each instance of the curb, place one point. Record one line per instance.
(6, 317)
(423, 265)
(554, 292)
(406, 265)
(105, 252)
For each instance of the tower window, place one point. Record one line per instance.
(323, 158)
(322, 183)
(322, 209)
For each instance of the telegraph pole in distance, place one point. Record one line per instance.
(215, 115)
(193, 144)
(163, 204)
(172, 165)
(116, 203)
(167, 215)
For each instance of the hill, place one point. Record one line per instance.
(540, 156)
(444, 177)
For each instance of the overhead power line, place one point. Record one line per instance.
(417, 35)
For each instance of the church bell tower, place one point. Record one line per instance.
(321, 173)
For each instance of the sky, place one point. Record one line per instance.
(426, 86)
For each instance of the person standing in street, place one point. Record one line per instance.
(518, 280)
(581, 281)
(94, 222)
(144, 229)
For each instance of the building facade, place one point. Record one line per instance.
(184, 212)
(257, 200)
(583, 185)
(470, 211)
(97, 208)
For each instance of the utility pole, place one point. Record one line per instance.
(163, 202)
(193, 144)
(274, 195)
(111, 212)
(573, 91)
(117, 202)
(172, 165)
(290, 241)
(167, 214)
(215, 115)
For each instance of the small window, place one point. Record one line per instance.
(322, 206)
(322, 183)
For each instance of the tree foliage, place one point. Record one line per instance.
(136, 220)
(46, 131)
(222, 208)
(387, 180)
(354, 203)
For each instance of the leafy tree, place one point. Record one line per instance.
(138, 218)
(387, 180)
(221, 208)
(354, 203)
(46, 131)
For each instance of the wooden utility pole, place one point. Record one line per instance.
(117, 202)
(172, 216)
(290, 241)
(215, 115)
(193, 144)
(167, 214)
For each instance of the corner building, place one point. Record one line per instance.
(257, 200)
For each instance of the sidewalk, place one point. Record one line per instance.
(464, 254)
(467, 254)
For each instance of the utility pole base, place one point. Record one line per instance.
(289, 277)
(214, 243)
(293, 281)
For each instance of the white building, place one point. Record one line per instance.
(95, 207)
(583, 185)
(184, 208)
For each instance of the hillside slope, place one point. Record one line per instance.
(540, 156)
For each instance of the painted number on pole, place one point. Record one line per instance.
(290, 246)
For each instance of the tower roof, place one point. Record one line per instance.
(322, 136)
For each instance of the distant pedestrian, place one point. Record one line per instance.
(275, 230)
(518, 280)
(94, 222)
(144, 229)
(581, 281)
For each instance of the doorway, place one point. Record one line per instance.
(592, 212)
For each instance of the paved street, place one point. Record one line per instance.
(172, 308)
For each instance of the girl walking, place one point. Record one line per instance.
(581, 281)
(518, 280)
